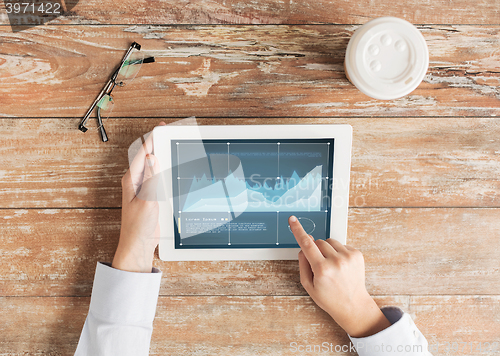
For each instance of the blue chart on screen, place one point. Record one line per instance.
(240, 193)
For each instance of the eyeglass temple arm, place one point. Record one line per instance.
(104, 90)
(102, 131)
(108, 86)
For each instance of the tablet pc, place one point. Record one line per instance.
(229, 190)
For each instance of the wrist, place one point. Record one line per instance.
(365, 319)
(133, 260)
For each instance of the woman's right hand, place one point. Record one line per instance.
(334, 276)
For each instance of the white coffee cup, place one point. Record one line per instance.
(386, 58)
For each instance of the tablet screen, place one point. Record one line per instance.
(241, 194)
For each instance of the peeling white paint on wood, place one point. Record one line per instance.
(204, 80)
(287, 60)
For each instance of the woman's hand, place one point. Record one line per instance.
(139, 234)
(334, 276)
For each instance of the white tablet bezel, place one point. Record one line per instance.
(162, 137)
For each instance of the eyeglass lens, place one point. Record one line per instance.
(126, 74)
(130, 67)
(104, 107)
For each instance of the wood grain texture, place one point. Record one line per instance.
(53, 252)
(424, 191)
(237, 71)
(274, 12)
(396, 162)
(263, 325)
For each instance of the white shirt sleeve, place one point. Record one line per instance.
(401, 338)
(121, 313)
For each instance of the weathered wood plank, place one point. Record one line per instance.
(396, 162)
(259, 325)
(268, 325)
(237, 71)
(274, 12)
(458, 314)
(54, 252)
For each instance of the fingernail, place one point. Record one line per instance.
(293, 218)
(151, 161)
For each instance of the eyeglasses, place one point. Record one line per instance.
(126, 72)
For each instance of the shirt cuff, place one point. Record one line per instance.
(402, 337)
(124, 297)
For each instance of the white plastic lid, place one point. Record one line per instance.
(386, 58)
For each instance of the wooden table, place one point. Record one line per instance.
(425, 189)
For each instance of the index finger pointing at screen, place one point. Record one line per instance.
(311, 251)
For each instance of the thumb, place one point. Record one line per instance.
(150, 179)
(149, 167)
(306, 273)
